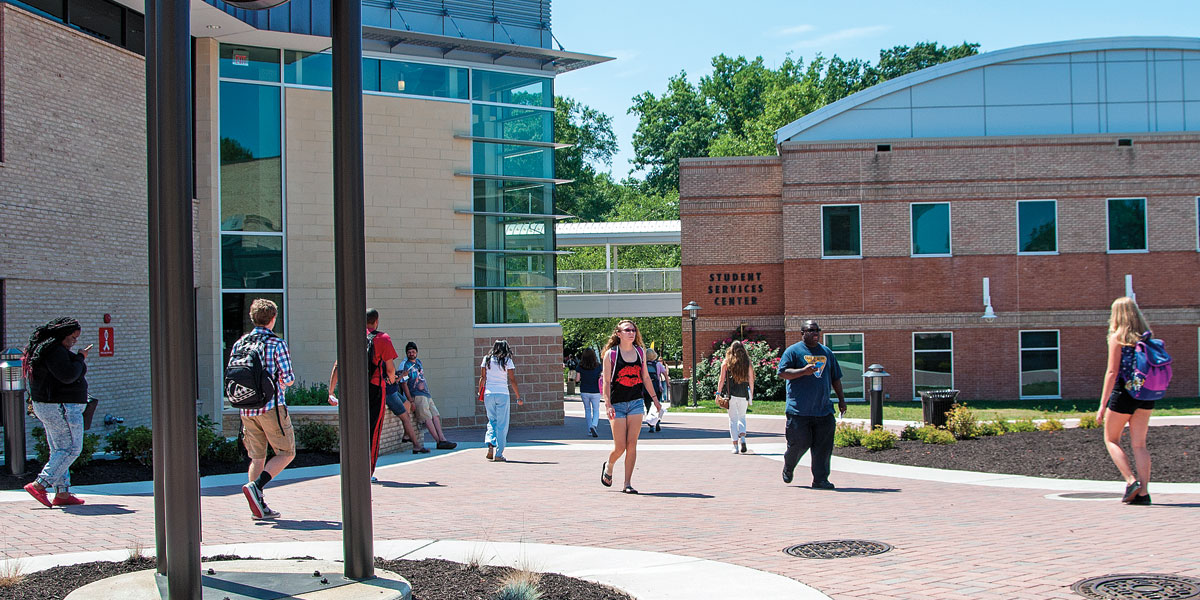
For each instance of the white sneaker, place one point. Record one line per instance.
(735, 448)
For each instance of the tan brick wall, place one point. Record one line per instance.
(537, 357)
(74, 140)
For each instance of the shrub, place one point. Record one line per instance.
(132, 444)
(991, 428)
(41, 448)
(909, 432)
(1021, 425)
(879, 439)
(848, 435)
(923, 432)
(940, 437)
(206, 436)
(523, 590)
(225, 450)
(765, 359)
(1050, 424)
(1088, 421)
(318, 437)
(961, 422)
(302, 394)
(675, 372)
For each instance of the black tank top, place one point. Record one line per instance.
(627, 384)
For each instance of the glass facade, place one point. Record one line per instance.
(1040, 372)
(1127, 225)
(848, 350)
(1037, 226)
(841, 232)
(933, 361)
(930, 229)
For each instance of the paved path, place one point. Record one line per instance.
(951, 539)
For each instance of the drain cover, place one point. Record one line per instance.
(1140, 586)
(838, 549)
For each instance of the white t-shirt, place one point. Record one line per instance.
(497, 378)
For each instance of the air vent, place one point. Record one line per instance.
(1124, 141)
(883, 147)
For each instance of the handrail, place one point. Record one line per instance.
(614, 281)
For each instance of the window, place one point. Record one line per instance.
(933, 361)
(848, 350)
(249, 62)
(251, 164)
(841, 232)
(1040, 372)
(1037, 227)
(930, 228)
(1127, 225)
(512, 123)
(512, 88)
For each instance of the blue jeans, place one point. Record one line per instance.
(497, 427)
(591, 409)
(64, 434)
(395, 403)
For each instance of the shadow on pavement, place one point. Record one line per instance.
(307, 525)
(405, 484)
(95, 510)
(529, 462)
(676, 495)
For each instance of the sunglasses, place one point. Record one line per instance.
(810, 331)
(628, 331)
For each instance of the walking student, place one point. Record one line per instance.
(626, 381)
(588, 376)
(496, 373)
(810, 369)
(425, 410)
(737, 379)
(1126, 326)
(59, 392)
(270, 424)
(658, 373)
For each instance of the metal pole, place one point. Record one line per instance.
(174, 284)
(876, 405)
(153, 250)
(14, 430)
(351, 285)
(694, 401)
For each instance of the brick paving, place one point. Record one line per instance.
(697, 499)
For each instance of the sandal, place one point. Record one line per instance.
(605, 476)
(629, 490)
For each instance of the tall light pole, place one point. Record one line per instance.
(692, 308)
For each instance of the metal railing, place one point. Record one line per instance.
(613, 281)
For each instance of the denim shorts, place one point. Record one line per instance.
(626, 409)
(395, 403)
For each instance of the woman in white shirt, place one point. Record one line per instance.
(496, 373)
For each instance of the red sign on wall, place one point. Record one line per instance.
(106, 341)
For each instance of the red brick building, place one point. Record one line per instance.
(1063, 174)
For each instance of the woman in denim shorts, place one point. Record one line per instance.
(1126, 326)
(626, 381)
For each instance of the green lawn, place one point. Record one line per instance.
(984, 410)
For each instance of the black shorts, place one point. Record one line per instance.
(1119, 401)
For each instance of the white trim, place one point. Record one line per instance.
(490, 103)
(1021, 362)
(863, 352)
(949, 230)
(913, 357)
(1018, 228)
(1145, 226)
(823, 207)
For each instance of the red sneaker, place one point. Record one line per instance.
(39, 495)
(67, 501)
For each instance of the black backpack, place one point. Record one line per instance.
(248, 385)
(372, 365)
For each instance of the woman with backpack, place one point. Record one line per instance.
(657, 372)
(626, 381)
(496, 373)
(59, 393)
(737, 381)
(587, 374)
(1126, 327)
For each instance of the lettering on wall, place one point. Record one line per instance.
(735, 288)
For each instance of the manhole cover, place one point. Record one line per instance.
(1085, 496)
(1140, 586)
(838, 549)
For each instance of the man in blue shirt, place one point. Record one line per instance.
(810, 370)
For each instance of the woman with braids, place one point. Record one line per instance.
(496, 373)
(626, 381)
(59, 393)
(737, 380)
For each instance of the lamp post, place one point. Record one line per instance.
(876, 374)
(12, 388)
(692, 308)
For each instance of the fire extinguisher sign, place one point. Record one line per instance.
(106, 341)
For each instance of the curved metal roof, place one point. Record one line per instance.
(1102, 85)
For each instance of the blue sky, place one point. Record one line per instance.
(653, 40)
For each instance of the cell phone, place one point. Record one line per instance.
(88, 347)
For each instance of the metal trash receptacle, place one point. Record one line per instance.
(679, 392)
(935, 404)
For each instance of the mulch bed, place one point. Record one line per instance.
(1065, 454)
(431, 579)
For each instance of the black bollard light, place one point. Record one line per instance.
(876, 374)
(12, 391)
(692, 309)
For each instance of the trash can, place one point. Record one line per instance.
(935, 404)
(679, 392)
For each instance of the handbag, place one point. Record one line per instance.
(89, 410)
(723, 401)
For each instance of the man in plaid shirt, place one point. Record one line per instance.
(270, 424)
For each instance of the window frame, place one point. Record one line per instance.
(1021, 363)
(912, 238)
(863, 352)
(1145, 225)
(1057, 246)
(860, 237)
(913, 358)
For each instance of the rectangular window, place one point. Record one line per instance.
(249, 62)
(513, 160)
(933, 361)
(308, 68)
(251, 262)
(512, 88)
(1037, 226)
(848, 350)
(1040, 371)
(251, 158)
(235, 317)
(841, 231)
(54, 8)
(499, 195)
(1127, 225)
(100, 18)
(515, 306)
(930, 228)
(422, 80)
(512, 123)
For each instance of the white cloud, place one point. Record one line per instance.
(841, 35)
(797, 30)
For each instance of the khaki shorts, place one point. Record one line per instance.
(424, 408)
(264, 429)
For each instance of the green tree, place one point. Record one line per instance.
(677, 125)
(902, 60)
(593, 143)
(232, 151)
(664, 333)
